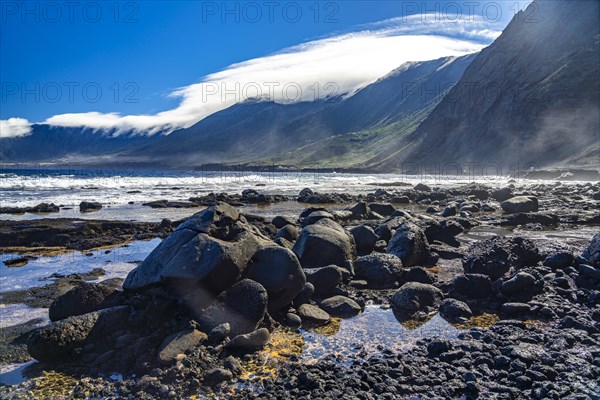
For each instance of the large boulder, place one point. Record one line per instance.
(324, 243)
(365, 239)
(61, 339)
(211, 247)
(381, 271)
(520, 204)
(279, 271)
(243, 306)
(414, 296)
(83, 299)
(495, 256)
(409, 244)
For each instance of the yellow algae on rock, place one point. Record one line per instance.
(330, 328)
(479, 321)
(283, 344)
(52, 385)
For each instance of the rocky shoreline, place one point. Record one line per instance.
(210, 301)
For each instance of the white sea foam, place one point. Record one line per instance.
(21, 190)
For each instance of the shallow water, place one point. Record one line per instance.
(370, 332)
(117, 263)
(16, 314)
(137, 212)
(14, 374)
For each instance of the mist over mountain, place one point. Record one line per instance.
(533, 96)
(47, 143)
(307, 134)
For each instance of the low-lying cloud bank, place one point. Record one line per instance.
(14, 127)
(332, 66)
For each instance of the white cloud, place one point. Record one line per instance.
(335, 65)
(14, 127)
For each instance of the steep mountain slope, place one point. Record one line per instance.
(362, 129)
(533, 96)
(342, 131)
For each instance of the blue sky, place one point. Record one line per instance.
(98, 62)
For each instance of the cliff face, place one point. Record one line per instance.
(533, 96)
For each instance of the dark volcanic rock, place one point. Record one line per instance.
(62, 338)
(453, 309)
(589, 271)
(305, 295)
(83, 299)
(243, 306)
(324, 279)
(409, 244)
(502, 194)
(88, 206)
(211, 247)
(359, 210)
(170, 204)
(324, 243)
(413, 297)
(280, 221)
(384, 209)
(74, 233)
(495, 256)
(41, 208)
(418, 274)
(592, 253)
(288, 232)
(250, 341)
(177, 344)
(559, 259)
(340, 306)
(316, 216)
(312, 315)
(541, 218)
(422, 187)
(381, 271)
(514, 309)
(279, 271)
(473, 286)
(520, 204)
(518, 283)
(365, 239)
(217, 375)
